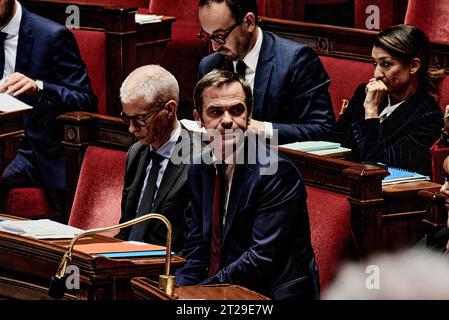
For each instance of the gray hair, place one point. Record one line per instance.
(152, 82)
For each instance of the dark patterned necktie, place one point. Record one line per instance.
(217, 221)
(241, 68)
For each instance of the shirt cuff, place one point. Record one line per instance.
(268, 130)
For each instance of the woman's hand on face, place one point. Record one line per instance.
(375, 93)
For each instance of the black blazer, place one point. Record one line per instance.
(266, 239)
(290, 88)
(402, 140)
(171, 199)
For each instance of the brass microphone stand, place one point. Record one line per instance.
(166, 281)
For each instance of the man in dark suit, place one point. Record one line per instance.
(249, 227)
(156, 165)
(289, 82)
(40, 64)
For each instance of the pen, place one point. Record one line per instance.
(446, 116)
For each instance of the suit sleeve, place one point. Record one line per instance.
(69, 86)
(278, 220)
(311, 109)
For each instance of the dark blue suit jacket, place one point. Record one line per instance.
(290, 88)
(48, 51)
(266, 239)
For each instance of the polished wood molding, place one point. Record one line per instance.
(341, 42)
(146, 289)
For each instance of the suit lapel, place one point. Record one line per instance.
(402, 114)
(208, 182)
(263, 74)
(171, 175)
(136, 186)
(238, 187)
(173, 171)
(25, 45)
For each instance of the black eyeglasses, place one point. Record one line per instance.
(219, 37)
(138, 120)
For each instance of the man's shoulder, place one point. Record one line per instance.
(212, 61)
(40, 24)
(135, 150)
(285, 44)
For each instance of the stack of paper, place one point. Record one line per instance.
(147, 18)
(401, 176)
(40, 229)
(322, 148)
(8, 103)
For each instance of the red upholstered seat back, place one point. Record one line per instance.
(99, 190)
(330, 226)
(30, 203)
(431, 17)
(92, 46)
(345, 77)
(386, 12)
(184, 53)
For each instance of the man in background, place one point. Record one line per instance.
(40, 64)
(289, 83)
(155, 182)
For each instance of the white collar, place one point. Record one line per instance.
(166, 149)
(390, 108)
(252, 57)
(13, 26)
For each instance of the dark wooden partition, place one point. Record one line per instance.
(340, 42)
(129, 45)
(382, 217)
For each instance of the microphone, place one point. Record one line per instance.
(166, 281)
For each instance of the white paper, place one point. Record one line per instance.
(192, 125)
(8, 103)
(147, 18)
(40, 229)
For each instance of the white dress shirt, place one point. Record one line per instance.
(11, 41)
(164, 151)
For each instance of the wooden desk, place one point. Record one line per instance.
(382, 217)
(404, 212)
(11, 130)
(146, 289)
(27, 265)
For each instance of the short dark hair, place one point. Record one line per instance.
(406, 42)
(217, 78)
(239, 8)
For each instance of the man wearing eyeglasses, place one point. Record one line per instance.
(154, 182)
(289, 82)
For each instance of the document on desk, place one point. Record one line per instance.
(147, 18)
(8, 103)
(39, 229)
